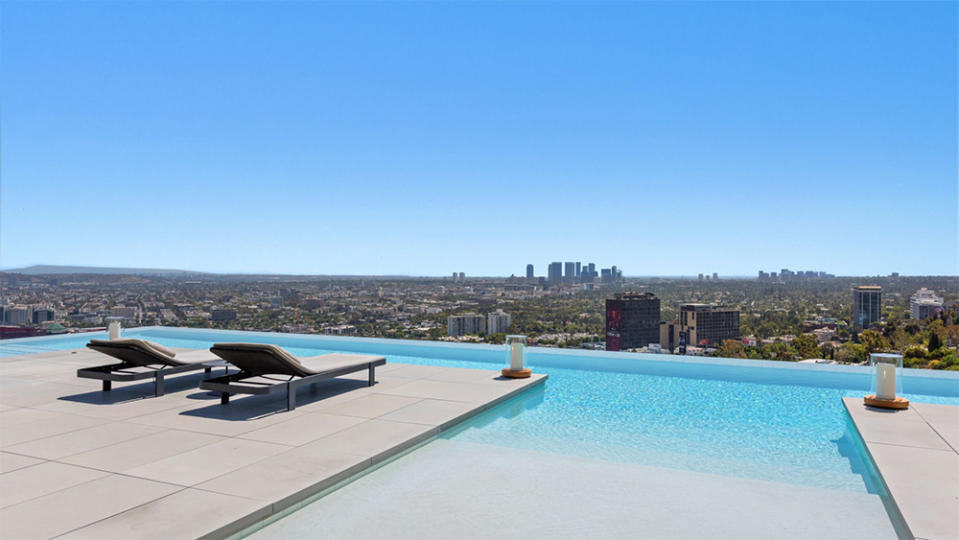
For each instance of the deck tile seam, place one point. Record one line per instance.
(884, 443)
(58, 490)
(85, 525)
(106, 423)
(936, 431)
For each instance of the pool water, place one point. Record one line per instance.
(789, 433)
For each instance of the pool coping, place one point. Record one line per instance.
(919, 442)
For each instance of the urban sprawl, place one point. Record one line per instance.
(792, 316)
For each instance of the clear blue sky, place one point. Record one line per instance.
(423, 138)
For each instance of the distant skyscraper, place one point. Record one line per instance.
(715, 276)
(555, 272)
(700, 277)
(866, 305)
(606, 275)
(592, 269)
(529, 271)
(924, 304)
(570, 274)
(632, 321)
(579, 269)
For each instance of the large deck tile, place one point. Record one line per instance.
(925, 486)
(206, 462)
(291, 476)
(82, 440)
(303, 429)
(32, 482)
(62, 511)
(122, 457)
(11, 462)
(57, 424)
(375, 439)
(369, 406)
(190, 513)
(432, 412)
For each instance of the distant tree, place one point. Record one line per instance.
(806, 346)
(872, 341)
(851, 353)
(934, 341)
(731, 348)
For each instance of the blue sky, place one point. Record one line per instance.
(426, 138)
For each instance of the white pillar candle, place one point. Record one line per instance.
(516, 356)
(114, 330)
(885, 381)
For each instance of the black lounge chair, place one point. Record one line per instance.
(142, 359)
(265, 369)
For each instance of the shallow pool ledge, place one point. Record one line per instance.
(917, 454)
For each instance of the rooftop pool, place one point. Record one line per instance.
(773, 421)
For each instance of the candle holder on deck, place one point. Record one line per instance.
(886, 382)
(515, 357)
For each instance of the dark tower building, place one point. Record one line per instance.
(632, 321)
(570, 272)
(529, 271)
(866, 305)
(555, 273)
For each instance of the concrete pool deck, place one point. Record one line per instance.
(80, 463)
(917, 453)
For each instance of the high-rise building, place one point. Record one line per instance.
(555, 272)
(468, 323)
(497, 321)
(866, 305)
(529, 271)
(462, 276)
(715, 276)
(606, 275)
(579, 269)
(707, 325)
(592, 269)
(570, 273)
(632, 320)
(18, 315)
(924, 304)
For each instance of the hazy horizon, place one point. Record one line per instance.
(420, 139)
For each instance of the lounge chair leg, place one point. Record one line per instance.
(159, 385)
(107, 385)
(372, 375)
(224, 398)
(290, 397)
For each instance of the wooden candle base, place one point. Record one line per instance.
(897, 403)
(517, 374)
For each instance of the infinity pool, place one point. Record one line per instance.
(781, 423)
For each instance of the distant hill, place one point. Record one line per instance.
(42, 269)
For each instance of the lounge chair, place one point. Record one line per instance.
(265, 369)
(142, 359)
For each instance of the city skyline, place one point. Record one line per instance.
(358, 140)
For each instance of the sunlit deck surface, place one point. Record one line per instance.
(78, 462)
(915, 451)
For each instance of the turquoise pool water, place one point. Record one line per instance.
(764, 422)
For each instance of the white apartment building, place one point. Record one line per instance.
(498, 321)
(468, 323)
(923, 304)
